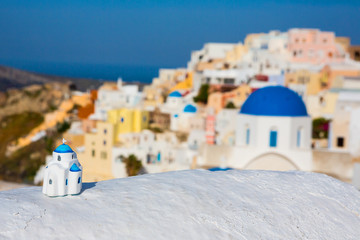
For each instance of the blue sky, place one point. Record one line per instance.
(154, 33)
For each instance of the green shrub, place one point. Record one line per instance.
(133, 165)
(230, 105)
(203, 94)
(320, 128)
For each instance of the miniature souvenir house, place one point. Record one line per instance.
(63, 174)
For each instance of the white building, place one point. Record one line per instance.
(227, 77)
(63, 174)
(157, 154)
(225, 126)
(345, 127)
(210, 51)
(115, 98)
(273, 132)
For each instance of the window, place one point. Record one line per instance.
(229, 80)
(105, 131)
(247, 136)
(298, 138)
(66, 182)
(122, 119)
(59, 158)
(340, 142)
(79, 179)
(50, 181)
(93, 153)
(273, 138)
(357, 54)
(104, 142)
(103, 155)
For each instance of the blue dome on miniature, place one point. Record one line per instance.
(175, 94)
(216, 169)
(274, 101)
(75, 168)
(63, 148)
(190, 109)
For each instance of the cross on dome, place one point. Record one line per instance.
(64, 141)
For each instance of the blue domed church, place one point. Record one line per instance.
(63, 174)
(273, 132)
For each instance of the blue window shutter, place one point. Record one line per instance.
(247, 136)
(298, 141)
(273, 138)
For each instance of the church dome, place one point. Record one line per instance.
(63, 148)
(274, 101)
(175, 94)
(190, 109)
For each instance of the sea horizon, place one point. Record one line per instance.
(97, 71)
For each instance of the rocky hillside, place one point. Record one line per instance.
(22, 110)
(16, 78)
(34, 98)
(195, 204)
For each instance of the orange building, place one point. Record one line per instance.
(218, 100)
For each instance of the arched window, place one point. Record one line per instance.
(79, 179)
(299, 137)
(273, 138)
(50, 181)
(66, 182)
(159, 157)
(247, 132)
(59, 158)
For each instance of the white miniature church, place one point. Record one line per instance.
(63, 174)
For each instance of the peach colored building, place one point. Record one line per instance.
(335, 70)
(88, 125)
(210, 129)
(354, 52)
(218, 100)
(314, 46)
(314, 81)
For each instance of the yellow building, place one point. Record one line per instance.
(322, 104)
(127, 120)
(236, 54)
(248, 42)
(187, 84)
(314, 81)
(153, 96)
(97, 156)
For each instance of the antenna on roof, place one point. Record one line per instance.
(64, 141)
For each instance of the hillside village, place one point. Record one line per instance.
(276, 101)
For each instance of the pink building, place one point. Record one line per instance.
(314, 46)
(210, 129)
